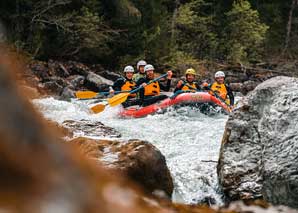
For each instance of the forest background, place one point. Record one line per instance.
(174, 33)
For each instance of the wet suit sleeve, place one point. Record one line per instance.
(141, 91)
(118, 84)
(165, 87)
(179, 88)
(198, 86)
(231, 95)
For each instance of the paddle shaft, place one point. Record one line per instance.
(120, 98)
(152, 81)
(91, 94)
(116, 92)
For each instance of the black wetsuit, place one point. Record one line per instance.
(130, 100)
(230, 94)
(119, 83)
(185, 83)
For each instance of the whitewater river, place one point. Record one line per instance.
(189, 140)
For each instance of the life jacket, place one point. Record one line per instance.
(152, 89)
(220, 89)
(129, 85)
(189, 87)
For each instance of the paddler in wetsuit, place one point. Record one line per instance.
(150, 93)
(126, 84)
(221, 89)
(189, 85)
(140, 71)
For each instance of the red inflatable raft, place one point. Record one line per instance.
(184, 98)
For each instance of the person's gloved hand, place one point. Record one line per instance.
(179, 84)
(111, 91)
(205, 86)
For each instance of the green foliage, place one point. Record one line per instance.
(180, 61)
(87, 32)
(245, 32)
(196, 32)
(120, 32)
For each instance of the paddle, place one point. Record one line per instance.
(120, 98)
(91, 94)
(221, 99)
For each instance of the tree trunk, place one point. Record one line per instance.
(173, 25)
(289, 26)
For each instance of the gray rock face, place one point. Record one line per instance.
(97, 79)
(91, 129)
(259, 153)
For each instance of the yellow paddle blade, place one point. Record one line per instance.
(85, 94)
(118, 99)
(98, 108)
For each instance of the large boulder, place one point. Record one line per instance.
(139, 160)
(259, 152)
(109, 75)
(96, 82)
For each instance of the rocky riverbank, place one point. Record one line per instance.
(63, 78)
(259, 155)
(41, 174)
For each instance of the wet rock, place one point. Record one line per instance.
(241, 207)
(236, 76)
(58, 69)
(77, 81)
(96, 129)
(248, 86)
(244, 87)
(95, 82)
(109, 75)
(259, 151)
(208, 201)
(53, 87)
(236, 87)
(40, 70)
(76, 68)
(67, 93)
(140, 160)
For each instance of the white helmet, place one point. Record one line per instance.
(141, 63)
(129, 69)
(219, 74)
(148, 67)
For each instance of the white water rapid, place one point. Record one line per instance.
(189, 140)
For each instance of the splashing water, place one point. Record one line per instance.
(189, 140)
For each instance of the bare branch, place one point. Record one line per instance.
(49, 7)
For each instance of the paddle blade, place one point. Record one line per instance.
(85, 94)
(98, 108)
(118, 99)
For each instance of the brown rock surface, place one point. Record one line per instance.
(140, 160)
